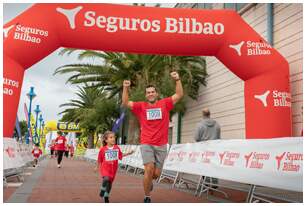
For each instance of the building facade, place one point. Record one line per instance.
(279, 24)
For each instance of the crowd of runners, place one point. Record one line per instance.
(59, 147)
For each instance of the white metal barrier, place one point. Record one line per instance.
(15, 154)
(16, 157)
(275, 163)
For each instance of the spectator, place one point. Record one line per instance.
(208, 129)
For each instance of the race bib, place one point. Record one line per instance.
(36, 152)
(111, 155)
(154, 114)
(60, 141)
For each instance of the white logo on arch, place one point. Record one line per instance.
(7, 30)
(237, 47)
(70, 14)
(263, 98)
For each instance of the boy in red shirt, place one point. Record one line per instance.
(108, 158)
(36, 153)
(60, 145)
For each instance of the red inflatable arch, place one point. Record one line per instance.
(222, 33)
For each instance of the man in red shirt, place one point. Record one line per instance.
(36, 153)
(153, 117)
(60, 145)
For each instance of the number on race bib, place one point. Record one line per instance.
(154, 114)
(111, 155)
(60, 141)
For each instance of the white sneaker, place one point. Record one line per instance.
(59, 166)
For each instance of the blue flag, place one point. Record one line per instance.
(18, 127)
(118, 122)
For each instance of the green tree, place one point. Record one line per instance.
(23, 127)
(141, 70)
(92, 110)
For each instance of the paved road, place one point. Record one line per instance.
(77, 182)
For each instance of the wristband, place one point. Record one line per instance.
(177, 79)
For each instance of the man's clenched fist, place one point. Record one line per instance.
(126, 83)
(175, 75)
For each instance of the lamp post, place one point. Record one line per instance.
(31, 95)
(37, 111)
(42, 131)
(40, 124)
(42, 128)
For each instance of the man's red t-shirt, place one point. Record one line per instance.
(36, 152)
(154, 121)
(60, 143)
(108, 160)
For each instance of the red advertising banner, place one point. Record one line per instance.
(43, 28)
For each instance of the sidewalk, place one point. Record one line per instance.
(77, 182)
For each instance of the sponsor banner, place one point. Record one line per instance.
(133, 160)
(251, 48)
(68, 126)
(43, 28)
(276, 163)
(91, 154)
(15, 154)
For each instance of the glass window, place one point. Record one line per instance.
(240, 6)
(230, 6)
(208, 6)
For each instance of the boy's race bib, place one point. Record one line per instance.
(60, 141)
(154, 114)
(36, 151)
(111, 155)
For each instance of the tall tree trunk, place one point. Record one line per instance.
(90, 140)
(96, 143)
(134, 132)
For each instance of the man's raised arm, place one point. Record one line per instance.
(125, 94)
(179, 93)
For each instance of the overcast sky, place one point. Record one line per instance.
(51, 90)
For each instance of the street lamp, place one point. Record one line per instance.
(37, 111)
(42, 128)
(31, 95)
(40, 124)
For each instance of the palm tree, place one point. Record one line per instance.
(91, 110)
(141, 70)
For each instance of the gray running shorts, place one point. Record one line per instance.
(156, 154)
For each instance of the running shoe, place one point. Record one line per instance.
(147, 200)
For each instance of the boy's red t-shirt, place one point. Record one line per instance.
(36, 152)
(108, 160)
(154, 121)
(60, 143)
